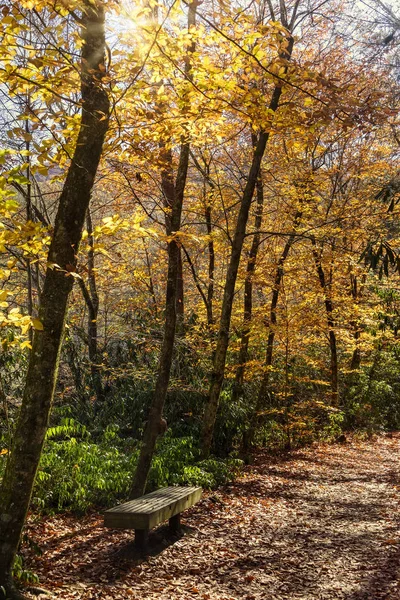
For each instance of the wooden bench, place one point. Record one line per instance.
(144, 513)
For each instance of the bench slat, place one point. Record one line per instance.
(154, 508)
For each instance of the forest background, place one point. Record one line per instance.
(234, 280)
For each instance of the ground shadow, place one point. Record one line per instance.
(116, 558)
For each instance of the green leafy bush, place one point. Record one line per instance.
(231, 423)
(176, 462)
(76, 473)
(221, 471)
(373, 401)
(22, 574)
(173, 455)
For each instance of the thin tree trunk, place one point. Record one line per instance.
(248, 291)
(356, 290)
(180, 299)
(211, 267)
(168, 189)
(155, 423)
(260, 404)
(17, 484)
(356, 357)
(217, 375)
(221, 349)
(208, 299)
(73, 363)
(334, 370)
(198, 284)
(92, 302)
(151, 282)
(29, 218)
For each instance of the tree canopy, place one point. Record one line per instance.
(212, 188)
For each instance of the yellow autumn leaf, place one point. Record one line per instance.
(37, 324)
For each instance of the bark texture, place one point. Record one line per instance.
(16, 489)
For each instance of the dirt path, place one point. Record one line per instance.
(321, 524)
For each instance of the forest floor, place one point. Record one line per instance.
(319, 523)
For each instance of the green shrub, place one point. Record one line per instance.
(210, 473)
(75, 473)
(176, 462)
(22, 574)
(221, 471)
(373, 401)
(170, 460)
(231, 423)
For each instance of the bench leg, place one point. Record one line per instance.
(142, 540)
(175, 523)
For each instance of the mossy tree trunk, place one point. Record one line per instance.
(22, 464)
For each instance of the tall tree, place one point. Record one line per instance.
(22, 464)
(248, 291)
(217, 375)
(174, 195)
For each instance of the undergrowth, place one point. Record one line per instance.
(77, 473)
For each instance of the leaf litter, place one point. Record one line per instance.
(320, 523)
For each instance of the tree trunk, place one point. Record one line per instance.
(168, 189)
(260, 404)
(72, 358)
(207, 298)
(217, 375)
(151, 282)
(155, 423)
(211, 267)
(92, 302)
(356, 290)
(334, 369)
(16, 488)
(248, 291)
(356, 357)
(180, 304)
